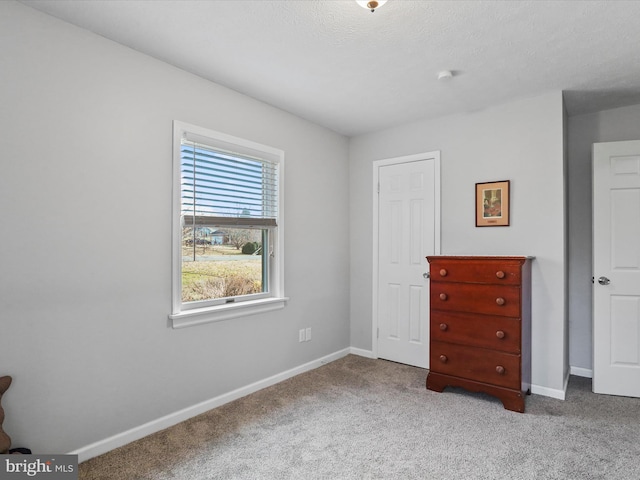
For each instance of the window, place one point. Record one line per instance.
(227, 232)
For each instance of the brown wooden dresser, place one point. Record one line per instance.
(480, 326)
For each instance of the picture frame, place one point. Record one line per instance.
(493, 204)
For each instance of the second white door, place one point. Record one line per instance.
(616, 263)
(407, 231)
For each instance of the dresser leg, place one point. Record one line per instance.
(436, 383)
(512, 403)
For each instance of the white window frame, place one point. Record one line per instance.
(184, 315)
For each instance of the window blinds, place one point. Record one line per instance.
(224, 188)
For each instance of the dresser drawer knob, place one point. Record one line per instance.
(500, 301)
(500, 274)
(500, 334)
(443, 326)
(443, 358)
(443, 296)
(443, 272)
(500, 370)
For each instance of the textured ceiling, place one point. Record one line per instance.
(338, 65)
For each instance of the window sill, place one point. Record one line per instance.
(198, 316)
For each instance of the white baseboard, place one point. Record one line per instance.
(548, 392)
(552, 392)
(581, 372)
(124, 438)
(361, 352)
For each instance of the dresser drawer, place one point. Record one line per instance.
(479, 364)
(487, 331)
(498, 272)
(484, 299)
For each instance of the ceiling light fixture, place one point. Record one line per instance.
(371, 4)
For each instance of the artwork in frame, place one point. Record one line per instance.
(492, 204)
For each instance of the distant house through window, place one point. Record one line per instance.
(227, 225)
(219, 237)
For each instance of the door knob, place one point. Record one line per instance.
(604, 281)
(425, 275)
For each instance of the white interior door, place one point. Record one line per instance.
(407, 231)
(616, 263)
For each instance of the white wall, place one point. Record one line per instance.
(522, 142)
(584, 130)
(85, 202)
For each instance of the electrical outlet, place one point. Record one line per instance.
(301, 335)
(308, 334)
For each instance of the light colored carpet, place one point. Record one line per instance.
(358, 418)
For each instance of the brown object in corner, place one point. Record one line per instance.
(5, 441)
(480, 326)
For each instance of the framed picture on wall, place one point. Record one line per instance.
(492, 204)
